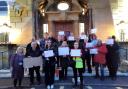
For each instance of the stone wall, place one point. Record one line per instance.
(21, 22)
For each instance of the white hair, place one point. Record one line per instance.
(20, 48)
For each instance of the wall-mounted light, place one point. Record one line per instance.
(42, 12)
(63, 6)
(83, 11)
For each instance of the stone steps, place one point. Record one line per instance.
(7, 73)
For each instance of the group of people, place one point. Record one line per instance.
(107, 55)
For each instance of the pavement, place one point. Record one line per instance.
(90, 82)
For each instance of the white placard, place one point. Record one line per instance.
(32, 61)
(89, 45)
(48, 53)
(83, 37)
(75, 52)
(94, 51)
(63, 51)
(61, 33)
(110, 42)
(71, 38)
(93, 31)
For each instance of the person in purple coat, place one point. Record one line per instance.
(17, 66)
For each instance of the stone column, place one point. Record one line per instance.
(76, 28)
(102, 18)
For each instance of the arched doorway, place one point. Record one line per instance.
(57, 20)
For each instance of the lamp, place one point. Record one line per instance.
(63, 6)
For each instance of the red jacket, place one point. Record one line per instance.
(101, 56)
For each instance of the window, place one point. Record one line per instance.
(81, 27)
(45, 28)
(3, 8)
(4, 17)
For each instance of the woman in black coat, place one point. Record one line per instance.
(49, 66)
(112, 58)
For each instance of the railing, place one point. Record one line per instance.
(4, 57)
(123, 53)
(4, 62)
(123, 50)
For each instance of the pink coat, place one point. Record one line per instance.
(101, 56)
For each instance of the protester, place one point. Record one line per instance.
(17, 66)
(113, 59)
(78, 67)
(49, 65)
(100, 59)
(64, 60)
(42, 41)
(71, 41)
(58, 44)
(89, 58)
(28, 47)
(34, 52)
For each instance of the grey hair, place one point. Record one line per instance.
(33, 43)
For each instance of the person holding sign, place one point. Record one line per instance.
(49, 64)
(93, 40)
(64, 59)
(78, 65)
(71, 41)
(17, 66)
(34, 52)
(100, 59)
(113, 58)
(58, 44)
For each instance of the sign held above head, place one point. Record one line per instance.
(93, 31)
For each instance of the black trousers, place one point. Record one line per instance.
(88, 62)
(58, 61)
(112, 70)
(31, 73)
(63, 73)
(17, 80)
(49, 75)
(75, 72)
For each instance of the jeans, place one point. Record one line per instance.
(101, 66)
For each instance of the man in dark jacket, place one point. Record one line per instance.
(34, 51)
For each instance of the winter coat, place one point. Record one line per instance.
(17, 66)
(113, 55)
(101, 56)
(50, 61)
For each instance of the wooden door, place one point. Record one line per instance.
(67, 27)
